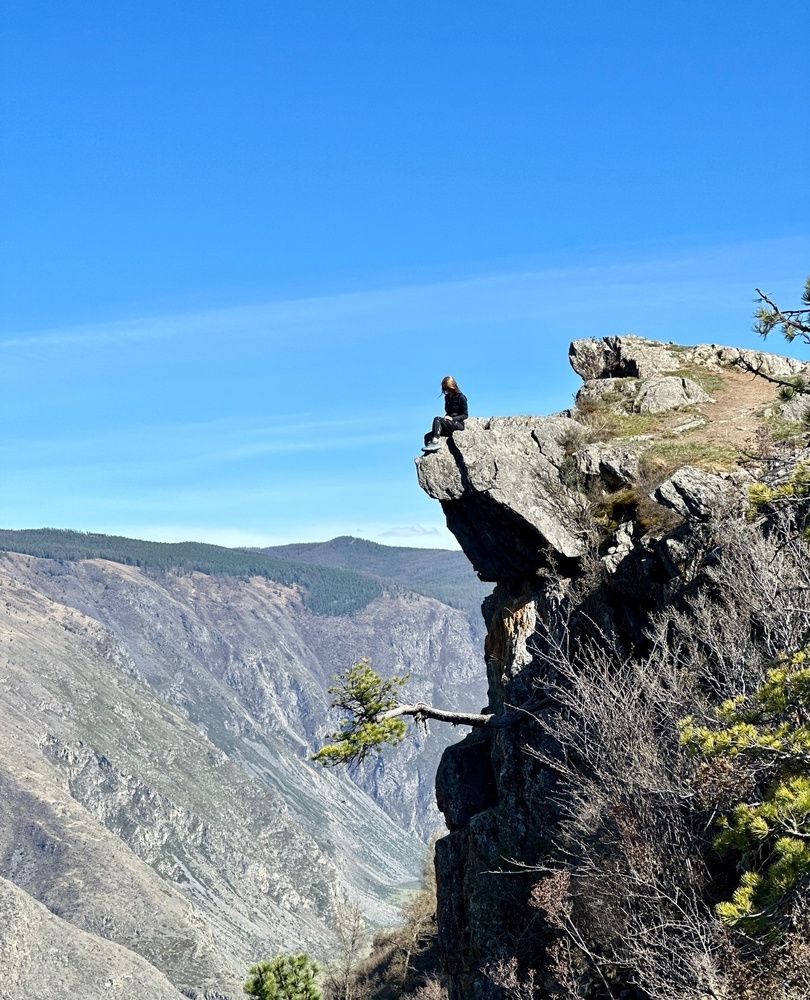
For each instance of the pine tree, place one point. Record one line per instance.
(756, 752)
(285, 977)
(792, 323)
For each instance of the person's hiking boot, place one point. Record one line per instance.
(432, 445)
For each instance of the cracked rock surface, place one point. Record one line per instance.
(500, 485)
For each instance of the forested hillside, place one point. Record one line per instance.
(327, 590)
(336, 578)
(441, 573)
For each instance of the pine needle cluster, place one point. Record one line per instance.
(763, 742)
(285, 977)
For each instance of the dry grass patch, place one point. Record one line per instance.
(786, 431)
(708, 381)
(663, 458)
(604, 424)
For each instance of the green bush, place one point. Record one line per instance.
(286, 977)
(791, 387)
(762, 742)
(763, 498)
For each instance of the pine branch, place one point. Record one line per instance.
(747, 366)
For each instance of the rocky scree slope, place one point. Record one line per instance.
(590, 522)
(155, 729)
(48, 958)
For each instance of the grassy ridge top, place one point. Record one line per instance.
(327, 590)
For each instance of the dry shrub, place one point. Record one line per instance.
(630, 886)
(515, 984)
(431, 989)
(404, 961)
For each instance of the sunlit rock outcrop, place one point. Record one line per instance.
(590, 523)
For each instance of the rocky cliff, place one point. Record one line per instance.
(593, 523)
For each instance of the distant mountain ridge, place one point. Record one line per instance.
(337, 577)
(445, 574)
(327, 591)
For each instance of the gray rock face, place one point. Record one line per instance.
(656, 394)
(621, 548)
(782, 469)
(506, 488)
(499, 483)
(615, 463)
(698, 494)
(46, 958)
(636, 357)
(616, 393)
(776, 365)
(668, 392)
(622, 357)
(797, 408)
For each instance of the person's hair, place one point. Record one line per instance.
(448, 382)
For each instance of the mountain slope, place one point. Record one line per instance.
(154, 740)
(50, 959)
(249, 875)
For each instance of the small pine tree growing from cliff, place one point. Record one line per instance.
(760, 746)
(286, 977)
(373, 717)
(367, 699)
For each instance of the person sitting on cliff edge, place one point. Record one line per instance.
(455, 409)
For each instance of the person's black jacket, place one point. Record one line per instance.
(455, 405)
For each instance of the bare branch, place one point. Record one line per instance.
(421, 711)
(747, 366)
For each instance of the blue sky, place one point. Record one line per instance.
(243, 242)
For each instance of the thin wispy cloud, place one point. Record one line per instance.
(300, 419)
(201, 442)
(409, 531)
(663, 276)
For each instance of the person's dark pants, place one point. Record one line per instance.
(444, 427)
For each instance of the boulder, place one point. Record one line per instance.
(637, 357)
(697, 494)
(616, 394)
(668, 392)
(500, 485)
(615, 462)
(797, 408)
(656, 394)
(775, 365)
(622, 357)
(621, 548)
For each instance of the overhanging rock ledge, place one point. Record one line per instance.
(500, 484)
